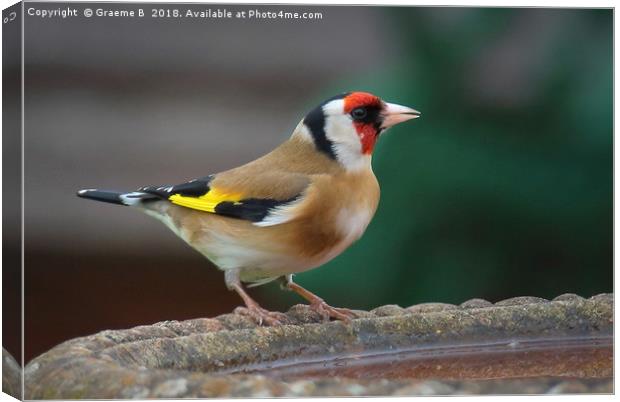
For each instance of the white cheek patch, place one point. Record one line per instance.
(346, 142)
(339, 129)
(333, 132)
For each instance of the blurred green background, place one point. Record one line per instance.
(504, 187)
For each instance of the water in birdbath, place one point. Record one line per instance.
(580, 357)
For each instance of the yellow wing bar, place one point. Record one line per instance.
(206, 202)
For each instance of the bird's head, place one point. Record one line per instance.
(346, 127)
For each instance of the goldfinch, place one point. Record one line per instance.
(289, 211)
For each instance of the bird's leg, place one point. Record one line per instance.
(252, 309)
(317, 304)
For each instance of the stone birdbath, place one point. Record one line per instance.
(519, 345)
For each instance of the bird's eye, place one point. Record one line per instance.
(359, 113)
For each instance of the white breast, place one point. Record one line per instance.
(353, 223)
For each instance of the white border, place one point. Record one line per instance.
(460, 3)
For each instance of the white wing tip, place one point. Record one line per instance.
(132, 198)
(86, 190)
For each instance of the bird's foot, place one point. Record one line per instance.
(326, 311)
(262, 316)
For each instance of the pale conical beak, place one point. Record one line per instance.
(394, 114)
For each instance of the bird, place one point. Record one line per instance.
(289, 211)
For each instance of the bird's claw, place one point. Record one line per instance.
(326, 311)
(260, 315)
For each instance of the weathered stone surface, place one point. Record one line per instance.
(431, 307)
(11, 375)
(568, 297)
(476, 303)
(521, 300)
(427, 349)
(389, 310)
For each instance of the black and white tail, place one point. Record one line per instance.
(116, 197)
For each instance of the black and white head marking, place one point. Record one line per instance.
(315, 123)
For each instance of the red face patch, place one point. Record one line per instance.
(360, 99)
(367, 130)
